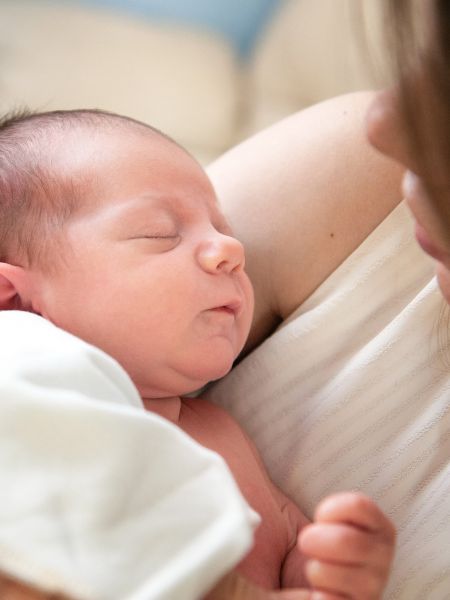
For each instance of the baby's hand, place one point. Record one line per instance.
(350, 546)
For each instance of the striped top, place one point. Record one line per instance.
(353, 392)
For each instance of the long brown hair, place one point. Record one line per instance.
(418, 37)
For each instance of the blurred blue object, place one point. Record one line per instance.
(239, 21)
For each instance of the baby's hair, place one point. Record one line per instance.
(37, 199)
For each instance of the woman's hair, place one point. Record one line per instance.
(36, 197)
(419, 41)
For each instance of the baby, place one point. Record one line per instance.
(111, 231)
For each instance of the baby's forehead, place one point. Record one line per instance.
(108, 156)
(86, 139)
(90, 154)
(129, 170)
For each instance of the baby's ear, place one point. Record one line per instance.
(13, 287)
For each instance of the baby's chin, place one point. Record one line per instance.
(205, 374)
(183, 382)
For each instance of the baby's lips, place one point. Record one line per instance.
(233, 307)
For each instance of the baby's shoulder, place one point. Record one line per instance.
(216, 429)
(203, 406)
(204, 415)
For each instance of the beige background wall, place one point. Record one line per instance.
(187, 82)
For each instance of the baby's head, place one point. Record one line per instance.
(112, 231)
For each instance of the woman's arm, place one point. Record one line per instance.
(302, 195)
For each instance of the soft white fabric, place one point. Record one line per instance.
(353, 392)
(99, 498)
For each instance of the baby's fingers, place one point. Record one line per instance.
(358, 510)
(351, 544)
(345, 545)
(348, 582)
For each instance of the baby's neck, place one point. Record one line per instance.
(169, 408)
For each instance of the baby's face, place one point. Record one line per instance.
(150, 272)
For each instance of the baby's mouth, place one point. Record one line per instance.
(225, 309)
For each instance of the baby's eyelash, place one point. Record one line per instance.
(156, 237)
(160, 237)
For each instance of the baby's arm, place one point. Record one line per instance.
(350, 546)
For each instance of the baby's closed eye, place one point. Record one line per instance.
(156, 241)
(156, 236)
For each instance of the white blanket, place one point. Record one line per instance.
(353, 392)
(98, 498)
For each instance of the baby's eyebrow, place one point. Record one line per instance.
(158, 204)
(136, 206)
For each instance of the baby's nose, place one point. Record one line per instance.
(221, 254)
